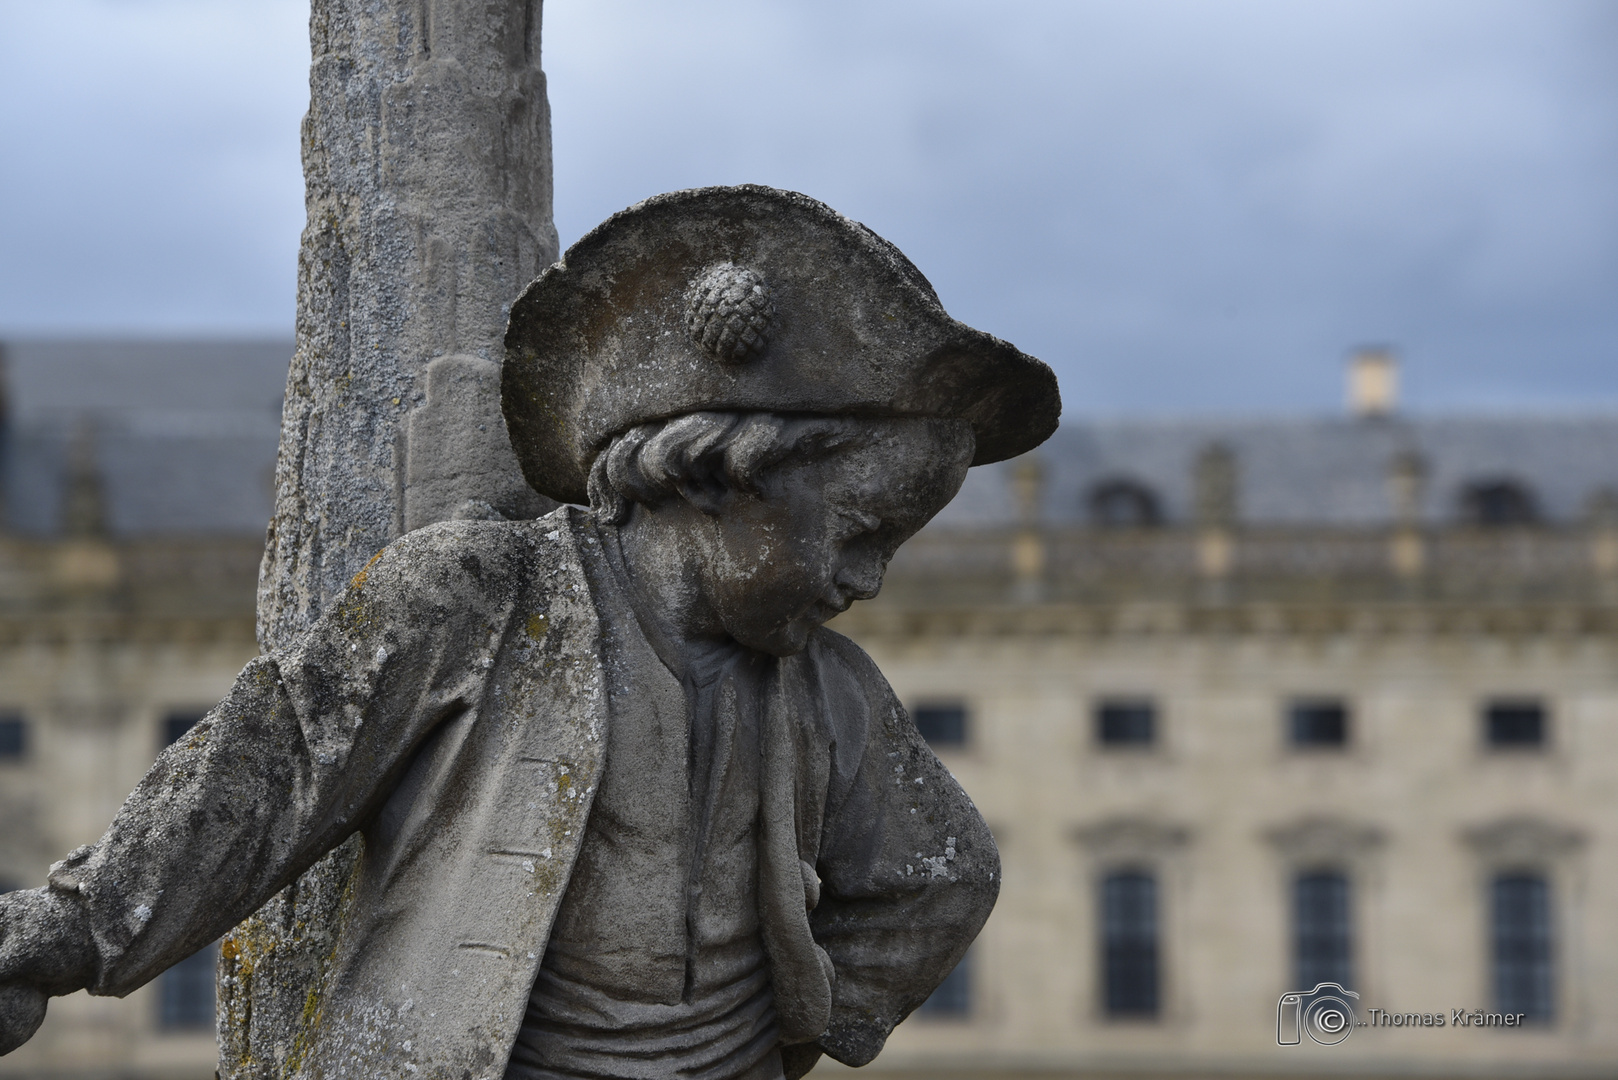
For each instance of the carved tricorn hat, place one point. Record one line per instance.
(746, 298)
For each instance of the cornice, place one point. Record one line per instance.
(879, 619)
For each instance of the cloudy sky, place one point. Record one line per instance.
(1186, 207)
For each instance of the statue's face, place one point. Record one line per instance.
(819, 534)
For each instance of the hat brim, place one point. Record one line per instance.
(596, 345)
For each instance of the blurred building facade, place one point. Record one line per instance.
(1257, 706)
(1251, 706)
(137, 486)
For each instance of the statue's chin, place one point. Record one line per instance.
(779, 640)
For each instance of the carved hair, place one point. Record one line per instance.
(650, 462)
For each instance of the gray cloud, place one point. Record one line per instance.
(1183, 206)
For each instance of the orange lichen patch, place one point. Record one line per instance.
(359, 579)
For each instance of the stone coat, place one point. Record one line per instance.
(451, 707)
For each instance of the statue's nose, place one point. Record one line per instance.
(860, 585)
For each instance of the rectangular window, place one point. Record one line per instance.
(1318, 724)
(176, 724)
(953, 998)
(186, 993)
(1514, 725)
(1129, 945)
(13, 737)
(1322, 931)
(1523, 954)
(1126, 723)
(942, 724)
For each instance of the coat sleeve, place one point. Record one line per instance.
(908, 869)
(301, 752)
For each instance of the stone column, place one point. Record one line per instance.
(1215, 493)
(1028, 547)
(1407, 548)
(426, 154)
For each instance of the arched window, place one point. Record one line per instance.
(1124, 504)
(1498, 502)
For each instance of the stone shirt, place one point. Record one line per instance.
(683, 987)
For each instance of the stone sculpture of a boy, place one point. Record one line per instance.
(627, 810)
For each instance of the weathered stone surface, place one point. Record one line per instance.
(459, 461)
(427, 165)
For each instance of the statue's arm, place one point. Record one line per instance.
(301, 752)
(909, 873)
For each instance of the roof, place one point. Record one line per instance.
(1323, 471)
(182, 433)
(184, 437)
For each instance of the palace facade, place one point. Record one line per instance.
(1253, 707)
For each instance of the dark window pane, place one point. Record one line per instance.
(942, 725)
(1322, 927)
(954, 995)
(1318, 723)
(1126, 723)
(186, 993)
(1498, 502)
(175, 725)
(1124, 504)
(1129, 944)
(1515, 723)
(13, 737)
(1522, 946)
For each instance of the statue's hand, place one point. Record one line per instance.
(22, 1010)
(45, 949)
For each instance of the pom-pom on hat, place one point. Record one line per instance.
(746, 298)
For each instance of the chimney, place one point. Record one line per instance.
(1373, 383)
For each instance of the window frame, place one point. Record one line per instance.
(169, 727)
(175, 987)
(1123, 703)
(954, 999)
(1491, 707)
(1296, 707)
(1541, 940)
(1340, 933)
(943, 705)
(1122, 946)
(15, 720)
(1146, 506)
(1499, 502)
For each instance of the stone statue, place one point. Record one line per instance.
(627, 809)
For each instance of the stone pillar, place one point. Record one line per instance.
(426, 155)
(1215, 491)
(1407, 548)
(1602, 517)
(1028, 554)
